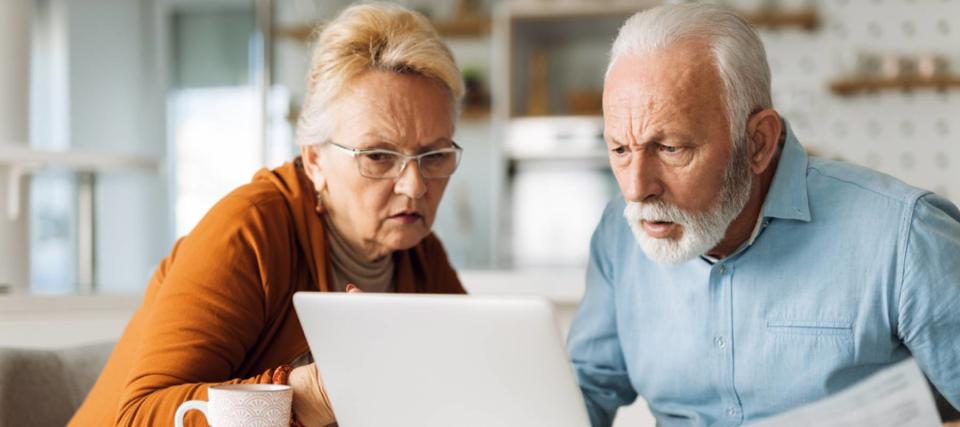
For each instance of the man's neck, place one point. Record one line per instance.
(743, 225)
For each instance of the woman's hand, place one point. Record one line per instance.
(311, 406)
(310, 403)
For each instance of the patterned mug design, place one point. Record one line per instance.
(243, 405)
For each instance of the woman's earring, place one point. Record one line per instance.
(319, 203)
(318, 183)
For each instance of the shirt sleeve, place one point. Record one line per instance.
(208, 314)
(594, 344)
(929, 301)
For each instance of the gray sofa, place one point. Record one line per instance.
(41, 388)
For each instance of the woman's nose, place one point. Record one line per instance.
(411, 182)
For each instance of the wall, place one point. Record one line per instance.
(117, 105)
(914, 136)
(14, 105)
(96, 88)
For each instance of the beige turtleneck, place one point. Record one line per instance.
(347, 266)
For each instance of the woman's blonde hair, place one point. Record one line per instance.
(367, 37)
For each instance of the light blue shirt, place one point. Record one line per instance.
(852, 271)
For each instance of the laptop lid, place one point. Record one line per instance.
(440, 361)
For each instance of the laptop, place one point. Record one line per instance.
(440, 360)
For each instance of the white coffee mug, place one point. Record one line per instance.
(242, 405)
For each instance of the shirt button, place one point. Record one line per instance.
(731, 411)
(723, 269)
(720, 343)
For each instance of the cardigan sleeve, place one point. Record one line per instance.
(207, 315)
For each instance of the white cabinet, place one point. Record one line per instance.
(549, 64)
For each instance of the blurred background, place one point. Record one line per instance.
(123, 121)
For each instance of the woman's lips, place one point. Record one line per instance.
(406, 217)
(657, 229)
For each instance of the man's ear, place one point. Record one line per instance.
(310, 157)
(763, 137)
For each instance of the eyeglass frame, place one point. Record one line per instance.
(354, 152)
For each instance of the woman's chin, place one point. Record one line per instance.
(399, 240)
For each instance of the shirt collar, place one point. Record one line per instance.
(787, 197)
(757, 228)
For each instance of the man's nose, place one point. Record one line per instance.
(642, 182)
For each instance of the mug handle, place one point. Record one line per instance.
(187, 407)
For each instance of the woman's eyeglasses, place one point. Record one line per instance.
(387, 164)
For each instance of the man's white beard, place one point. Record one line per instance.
(700, 232)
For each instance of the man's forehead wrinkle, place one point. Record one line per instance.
(653, 94)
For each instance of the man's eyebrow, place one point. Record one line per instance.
(661, 136)
(609, 139)
(642, 140)
(678, 135)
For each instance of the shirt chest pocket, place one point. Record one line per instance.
(810, 328)
(810, 343)
(802, 354)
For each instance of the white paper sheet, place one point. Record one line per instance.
(895, 397)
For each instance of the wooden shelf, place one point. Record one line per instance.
(807, 19)
(301, 33)
(539, 10)
(467, 114)
(579, 161)
(469, 26)
(855, 85)
(479, 26)
(475, 113)
(804, 19)
(561, 154)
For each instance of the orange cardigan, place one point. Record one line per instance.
(219, 308)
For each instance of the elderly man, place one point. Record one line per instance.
(738, 278)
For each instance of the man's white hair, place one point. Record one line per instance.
(737, 52)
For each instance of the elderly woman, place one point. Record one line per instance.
(355, 208)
